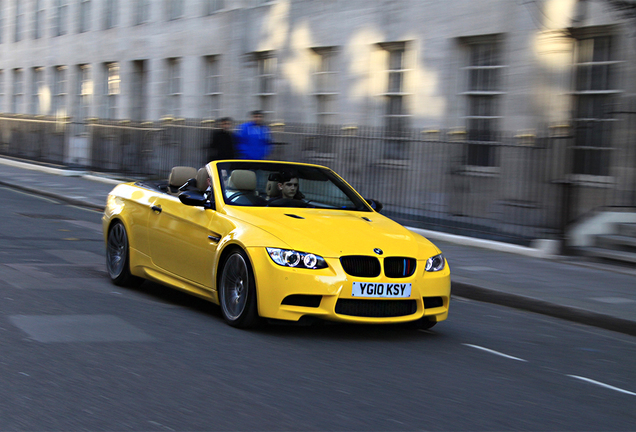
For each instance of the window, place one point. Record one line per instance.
(61, 8)
(37, 91)
(395, 116)
(484, 76)
(38, 24)
(212, 105)
(19, 20)
(142, 11)
(1, 90)
(84, 91)
(325, 85)
(59, 91)
(111, 13)
(266, 74)
(18, 90)
(140, 79)
(595, 92)
(112, 89)
(174, 9)
(212, 6)
(173, 87)
(84, 15)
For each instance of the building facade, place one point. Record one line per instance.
(487, 66)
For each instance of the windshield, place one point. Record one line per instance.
(271, 184)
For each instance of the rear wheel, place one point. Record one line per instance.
(237, 291)
(118, 257)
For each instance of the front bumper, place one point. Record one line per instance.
(328, 293)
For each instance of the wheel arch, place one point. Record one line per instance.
(225, 252)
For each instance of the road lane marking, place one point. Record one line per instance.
(495, 352)
(598, 383)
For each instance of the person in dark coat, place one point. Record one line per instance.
(222, 142)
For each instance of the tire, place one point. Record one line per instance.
(237, 291)
(118, 257)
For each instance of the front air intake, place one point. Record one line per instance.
(360, 265)
(376, 308)
(305, 300)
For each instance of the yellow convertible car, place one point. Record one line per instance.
(274, 240)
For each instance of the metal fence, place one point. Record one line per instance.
(423, 178)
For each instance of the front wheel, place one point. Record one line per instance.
(237, 291)
(118, 257)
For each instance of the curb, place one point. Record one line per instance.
(544, 249)
(53, 195)
(569, 313)
(59, 171)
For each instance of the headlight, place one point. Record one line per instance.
(434, 264)
(292, 258)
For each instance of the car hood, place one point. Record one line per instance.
(334, 233)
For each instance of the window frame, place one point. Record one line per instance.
(112, 89)
(591, 161)
(39, 20)
(481, 148)
(111, 14)
(212, 84)
(18, 90)
(60, 90)
(324, 78)
(38, 76)
(174, 79)
(84, 11)
(265, 79)
(19, 20)
(141, 14)
(61, 17)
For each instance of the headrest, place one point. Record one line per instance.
(202, 179)
(271, 189)
(242, 180)
(181, 174)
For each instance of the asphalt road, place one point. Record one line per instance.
(78, 353)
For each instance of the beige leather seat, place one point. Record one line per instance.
(178, 176)
(242, 180)
(202, 179)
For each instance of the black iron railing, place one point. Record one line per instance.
(430, 179)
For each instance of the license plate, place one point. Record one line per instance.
(381, 289)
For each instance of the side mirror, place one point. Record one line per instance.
(195, 199)
(375, 204)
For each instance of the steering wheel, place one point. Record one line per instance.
(236, 195)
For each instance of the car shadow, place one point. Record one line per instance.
(312, 328)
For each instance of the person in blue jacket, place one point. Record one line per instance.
(254, 140)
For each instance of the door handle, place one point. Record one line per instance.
(156, 208)
(215, 239)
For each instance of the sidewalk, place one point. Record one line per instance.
(564, 287)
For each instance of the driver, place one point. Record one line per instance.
(288, 186)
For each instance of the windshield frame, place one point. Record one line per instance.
(305, 171)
